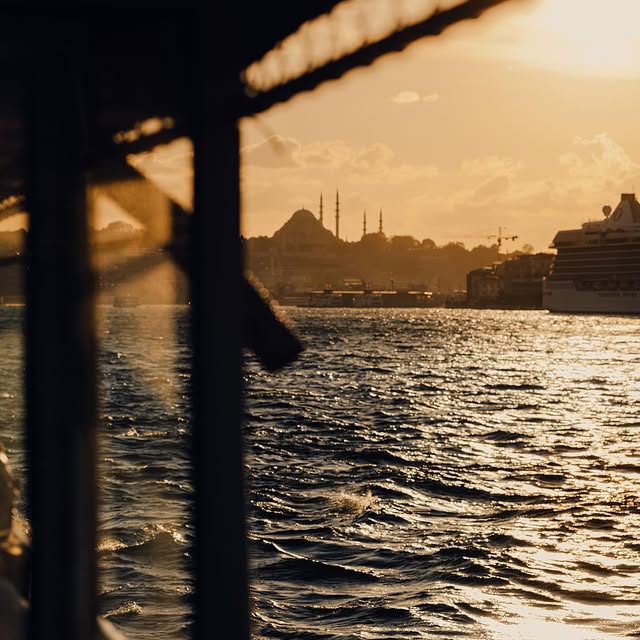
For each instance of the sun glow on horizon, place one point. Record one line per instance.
(587, 37)
(571, 36)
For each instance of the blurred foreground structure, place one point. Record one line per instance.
(85, 85)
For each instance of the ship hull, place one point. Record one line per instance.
(562, 296)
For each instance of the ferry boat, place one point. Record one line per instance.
(126, 301)
(369, 299)
(597, 267)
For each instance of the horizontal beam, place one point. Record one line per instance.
(257, 102)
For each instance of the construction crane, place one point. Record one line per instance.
(500, 238)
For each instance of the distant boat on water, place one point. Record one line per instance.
(597, 267)
(369, 299)
(126, 301)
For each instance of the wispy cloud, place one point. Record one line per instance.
(411, 97)
(491, 166)
(276, 151)
(598, 158)
(368, 164)
(491, 191)
(329, 154)
(406, 97)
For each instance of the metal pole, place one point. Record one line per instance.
(60, 349)
(221, 602)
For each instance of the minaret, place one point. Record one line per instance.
(321, 210)
(364, 224)
(337, 216)
(380, 224)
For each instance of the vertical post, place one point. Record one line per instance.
(60, 349)
(221, 602)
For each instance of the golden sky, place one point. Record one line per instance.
(525, 119)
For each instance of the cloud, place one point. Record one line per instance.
(395, 174)
(598, 158)
(372, 157)
(491, 166)
(411, 97)
(331, 154)
(487, 181)
(314, 162)
(406, 97)
(374, 163)
(487, 192)
(274, 152)
(492, 189)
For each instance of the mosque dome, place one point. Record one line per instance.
(303, 231)
(303, 217)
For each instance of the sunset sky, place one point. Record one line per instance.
(525, 119)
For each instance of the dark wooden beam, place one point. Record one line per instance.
(60, 346)
(221, 582)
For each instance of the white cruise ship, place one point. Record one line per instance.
(597, 267)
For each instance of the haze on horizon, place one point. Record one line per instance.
(524, 119)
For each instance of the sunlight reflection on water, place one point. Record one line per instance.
(501, 447)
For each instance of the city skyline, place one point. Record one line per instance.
(372, 225)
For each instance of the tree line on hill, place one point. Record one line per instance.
(378, 262)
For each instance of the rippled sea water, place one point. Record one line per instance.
(448, 473)
(433, 473)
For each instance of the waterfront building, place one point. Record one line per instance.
(516, 282)
(483, 285)
(522, 278)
